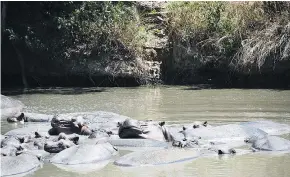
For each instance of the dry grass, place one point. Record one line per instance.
(242, 34)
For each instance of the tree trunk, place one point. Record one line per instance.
(21, 62)
(3, 18)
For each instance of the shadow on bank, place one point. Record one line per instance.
(53, 90)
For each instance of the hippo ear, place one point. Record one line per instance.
(21, 117)
(220, 152)
(233, 151)
(162, 123)
(37, 135)
(205, 123)
(21, 139)
(75, 139)
(118, 124)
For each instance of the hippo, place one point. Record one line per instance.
(36, 117)
(271, 128)
(99, 134)
(11, 141)
(198, 124)
(58, 146)
(30, 129)
(63, 141)
(10, 108)
(10, 150)
(99, 120)
(84, 158)
(269, 143)
(20, 165)
(223, 133)
(157, 157)
(69, 127)
(133, 129)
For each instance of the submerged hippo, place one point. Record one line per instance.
(272, 128)
(20, 165)
(223, 133)
(269, 143)
(10, 108)
(157, 157)
(36, 117)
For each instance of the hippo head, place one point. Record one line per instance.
(229, 151)
(185, 143)
(251, 139)
(199, 124)
(56, 147)
(129, 129)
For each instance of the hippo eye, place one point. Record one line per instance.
(183, 128)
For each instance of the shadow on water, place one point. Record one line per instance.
(208, 86)
(53, 90)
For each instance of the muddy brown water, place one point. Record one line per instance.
(176, 104)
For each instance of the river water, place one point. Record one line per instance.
(176, 104)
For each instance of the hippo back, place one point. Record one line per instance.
(19, 165)
(10, 107)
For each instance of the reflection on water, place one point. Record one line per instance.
(176, 104)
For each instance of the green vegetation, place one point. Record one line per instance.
(64, 37)
(63, 28)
